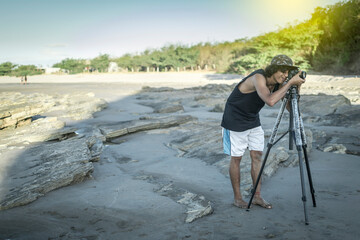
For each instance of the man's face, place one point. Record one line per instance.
(281, 75)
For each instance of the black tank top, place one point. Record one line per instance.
(242, 109)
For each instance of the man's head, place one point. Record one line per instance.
(280, 65)
(282, 60)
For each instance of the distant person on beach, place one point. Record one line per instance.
(23, 80)
(241, 123)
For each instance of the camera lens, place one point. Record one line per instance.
(303, 75)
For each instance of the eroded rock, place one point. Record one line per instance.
(34, 171)
(197, 206)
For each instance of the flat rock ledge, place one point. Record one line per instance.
(17, 109)
(143, 124)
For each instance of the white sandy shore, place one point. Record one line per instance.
(115, 204)
(172, 78)
(348, 86)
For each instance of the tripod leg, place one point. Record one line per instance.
(269, 146)
(291, 128)
(301, 166)
(309, 176)
(304, 146)
(299, 143)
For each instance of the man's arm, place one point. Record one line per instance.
(269, 98)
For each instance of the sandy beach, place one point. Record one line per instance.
(125, 199)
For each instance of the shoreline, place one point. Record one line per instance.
(316, 84)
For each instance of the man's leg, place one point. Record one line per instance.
(255, 169)
(234, 171)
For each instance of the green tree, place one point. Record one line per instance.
(6, 68)
(339, 45)
(73, 66)
(187, 57)
(26, 70)
(157, 58)
(101, 63)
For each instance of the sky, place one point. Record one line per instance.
(44, 32)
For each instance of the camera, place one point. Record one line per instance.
(293, 72)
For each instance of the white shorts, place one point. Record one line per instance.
(235, 143)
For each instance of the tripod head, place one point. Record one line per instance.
(294, 89)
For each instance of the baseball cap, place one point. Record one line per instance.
(283, 60)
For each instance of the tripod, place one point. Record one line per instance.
(296, 133)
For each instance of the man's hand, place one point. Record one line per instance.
(297, 80)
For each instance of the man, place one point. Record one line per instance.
(241, 122)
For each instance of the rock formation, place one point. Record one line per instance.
(45, 154)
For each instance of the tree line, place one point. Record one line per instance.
(328, 42)
(10, 69)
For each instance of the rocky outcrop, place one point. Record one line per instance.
(40, 169)
(328, 110)
(347, 86)
(44, 154)
(346, 117)
(321, 104)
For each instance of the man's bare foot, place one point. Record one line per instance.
(261, 202)
(240, 203)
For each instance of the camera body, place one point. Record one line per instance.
(293, 72)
